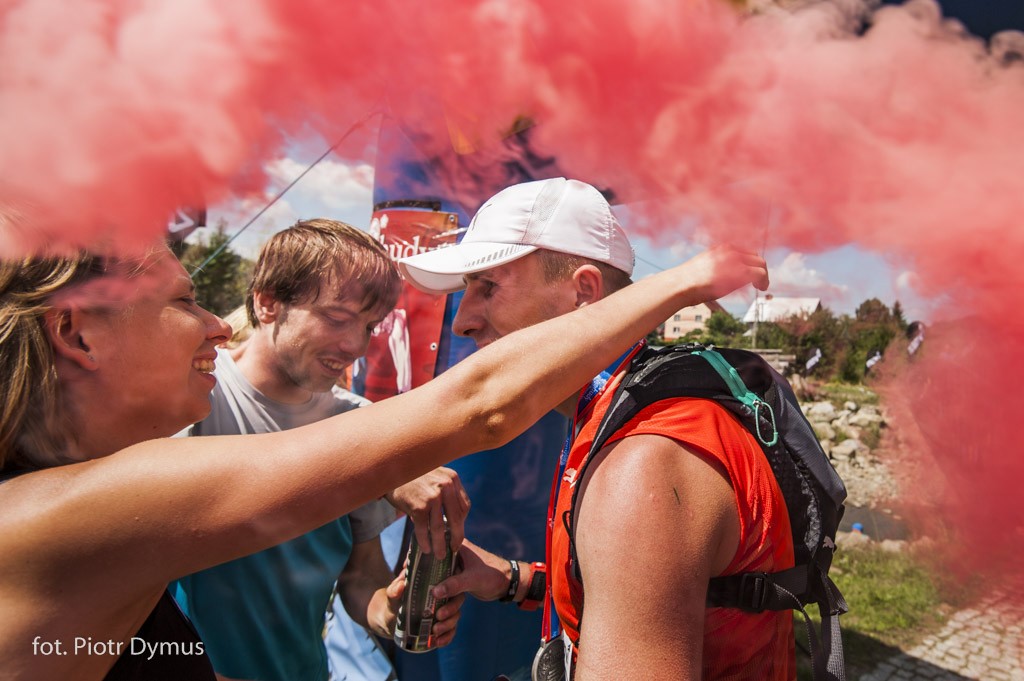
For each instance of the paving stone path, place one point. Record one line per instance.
(983, 643)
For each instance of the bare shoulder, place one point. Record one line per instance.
(655, 522)
(646, 492)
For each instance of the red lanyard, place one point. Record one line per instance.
(588, 394)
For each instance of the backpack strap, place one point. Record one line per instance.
(625, 404)
(639, 388)
(743, 394)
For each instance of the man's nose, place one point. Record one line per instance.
(464, 323)
(360, 346)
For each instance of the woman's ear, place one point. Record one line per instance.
(589, 285)
(65, 329)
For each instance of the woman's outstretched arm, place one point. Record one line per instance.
(165, 508)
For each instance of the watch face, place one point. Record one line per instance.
(549, 662)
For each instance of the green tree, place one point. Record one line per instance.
(221, 284)
(874, 326)
(900, 317)
(655, 337)
(774, 335)
(821, 330)
(723, 329)
(873, 312)
(723, 324)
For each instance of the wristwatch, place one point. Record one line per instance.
(538, 588)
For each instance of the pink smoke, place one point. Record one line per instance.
(904, 140)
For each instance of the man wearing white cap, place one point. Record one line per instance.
(680, 494)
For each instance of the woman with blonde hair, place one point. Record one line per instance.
(238, 320)
(103, 358)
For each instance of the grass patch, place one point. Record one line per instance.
(840, 393)
(895, 600)
(890, 594)
(871, 435)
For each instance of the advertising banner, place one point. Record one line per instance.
(404, 349)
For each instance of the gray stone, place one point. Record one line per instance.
(864, 419)
(821, 412)
(849, 449)
(824, 431)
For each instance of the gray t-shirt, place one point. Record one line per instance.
(238, 408)
(262, 616)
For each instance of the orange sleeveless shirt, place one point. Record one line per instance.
(737, 645)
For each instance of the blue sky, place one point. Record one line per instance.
(842, 278)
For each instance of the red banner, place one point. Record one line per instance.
(403, 350)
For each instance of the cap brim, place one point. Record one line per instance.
(441, 271)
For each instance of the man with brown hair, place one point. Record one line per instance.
(318, 291)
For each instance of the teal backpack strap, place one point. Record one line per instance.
(742, 393)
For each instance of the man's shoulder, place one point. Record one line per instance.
(642, 454)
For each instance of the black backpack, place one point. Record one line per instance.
(763, 401)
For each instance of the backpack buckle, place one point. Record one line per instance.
(753, 592)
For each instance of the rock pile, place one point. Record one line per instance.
(849, 436)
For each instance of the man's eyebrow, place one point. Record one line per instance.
(344, 305)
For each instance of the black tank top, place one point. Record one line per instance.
(167, 648)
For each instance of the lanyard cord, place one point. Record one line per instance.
(551, 626)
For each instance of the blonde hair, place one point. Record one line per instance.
(296, 261)
(30, 424)
(240, 328)
(34, 429)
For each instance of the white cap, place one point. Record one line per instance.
(561, 215)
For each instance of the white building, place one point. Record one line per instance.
(773, 309)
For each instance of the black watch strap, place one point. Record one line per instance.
(538, 590)
(537, 586)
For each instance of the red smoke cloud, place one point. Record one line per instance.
(892, 130)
